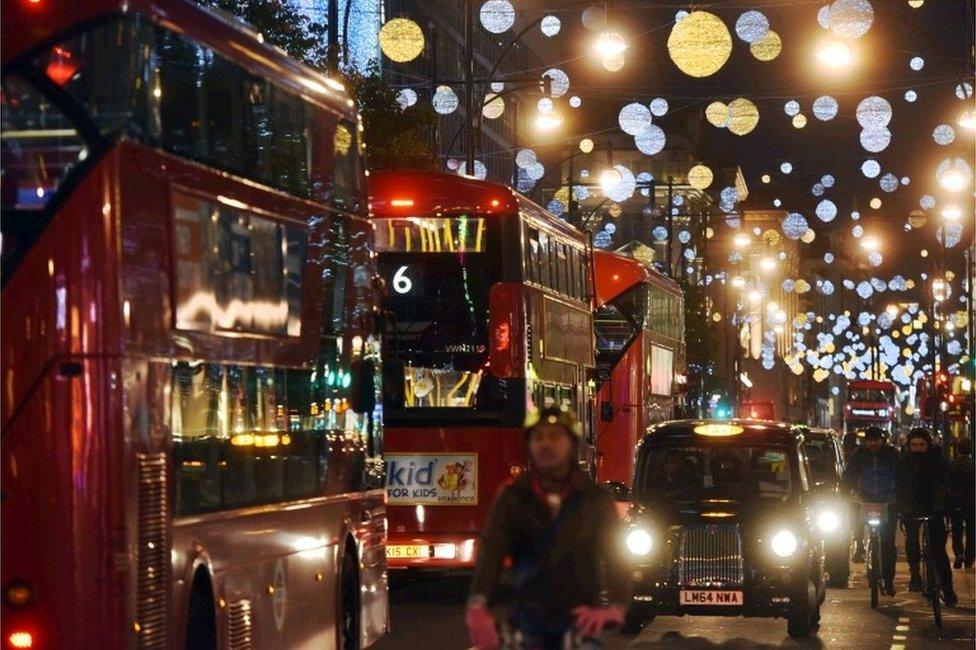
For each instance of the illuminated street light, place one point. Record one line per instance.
(968, 120)
(738, 282)
(892, 310)
(953, 180)
(548, 121)
(741, 240)
(835, 54)
(610, 179)
(870, 243)
(951, 213)
(767, 264)
(609, 45)
(755, 296)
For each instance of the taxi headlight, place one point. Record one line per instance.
(784, 543)
(639, 541)
(828, 521)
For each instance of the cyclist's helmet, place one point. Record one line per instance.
(561, 417)
(875, 433)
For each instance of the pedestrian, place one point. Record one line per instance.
(563, 535)
(921, 486)
(870, 475)
(962, 503)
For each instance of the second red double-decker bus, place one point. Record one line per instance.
(639, 322)
(487, 314)
(868, 403)
(190, 453)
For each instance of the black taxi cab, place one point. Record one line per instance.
(721, 524)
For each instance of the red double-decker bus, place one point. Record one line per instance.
(190, 451)
(639, 323)
(868, 403)
(487, 314)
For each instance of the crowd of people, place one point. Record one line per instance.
(916, 483)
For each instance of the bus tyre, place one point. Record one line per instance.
(201, 624)
(804, 613)
(636, 619)
(349, 607)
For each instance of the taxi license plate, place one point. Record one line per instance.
(711, 598)
(410, 551)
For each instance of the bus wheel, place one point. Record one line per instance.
(201, 625)
(349, 622)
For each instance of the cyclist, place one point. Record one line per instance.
(870, 475)
(921, 482)
(962, 503)
(562, 532)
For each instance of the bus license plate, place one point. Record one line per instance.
(411, 551)
(711, 598)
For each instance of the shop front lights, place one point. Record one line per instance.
(784, 543)
(639, 542)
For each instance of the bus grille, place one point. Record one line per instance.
(709, 555)
(152, 557)
(239, 625)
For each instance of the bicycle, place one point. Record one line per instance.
(873, 515)
(933, 580)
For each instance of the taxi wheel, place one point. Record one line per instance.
(839, 569)
(637, 619)
(804, 613)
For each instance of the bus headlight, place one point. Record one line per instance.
(828, 521)
(784, 543)
(639, 542)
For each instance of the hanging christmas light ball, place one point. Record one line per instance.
(401, 40)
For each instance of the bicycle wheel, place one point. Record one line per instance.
(933, 583)
(874, 570)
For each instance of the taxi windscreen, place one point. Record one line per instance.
(694, 472)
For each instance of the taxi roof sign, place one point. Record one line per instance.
(718, 430)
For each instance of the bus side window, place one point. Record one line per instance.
(532, 254)
(348, 166)
(545, 278)
(571, 263)
(562, 268)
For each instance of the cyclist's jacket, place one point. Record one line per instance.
(872, 475)
(922, 483)
(558, 562)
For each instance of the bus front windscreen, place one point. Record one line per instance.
(438, 274)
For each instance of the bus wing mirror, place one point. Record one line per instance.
(506, 325)
(363, 398)
(606, 411)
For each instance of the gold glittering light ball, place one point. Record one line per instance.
(743, 116)
(717, 114)
(401, 40)
(768, 47)
(586, 145)
(917, 218)
(771, 237)
(700, 177)
(700, 44)
(799, 120)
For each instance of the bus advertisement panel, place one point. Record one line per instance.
(486, 315)
(192, 437)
